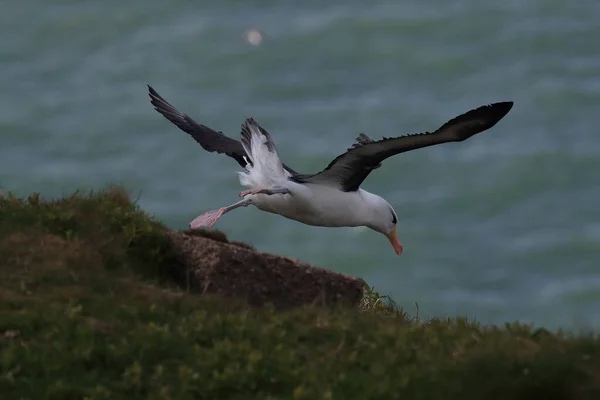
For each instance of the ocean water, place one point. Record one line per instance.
(502, 227)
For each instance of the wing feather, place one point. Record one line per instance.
(349, 170)
(209, 139)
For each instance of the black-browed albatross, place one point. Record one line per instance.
(332, 197)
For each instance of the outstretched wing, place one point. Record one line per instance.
(209, 139)
(350, 169)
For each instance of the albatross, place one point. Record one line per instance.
(332, 197)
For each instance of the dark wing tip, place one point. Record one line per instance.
(501, 109)
(151, 91)
(156, 99)
(477, 120)
(493, 113)
(179, 119)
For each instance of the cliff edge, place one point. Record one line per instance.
(208, 263)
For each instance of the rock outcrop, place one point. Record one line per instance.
(209, 263)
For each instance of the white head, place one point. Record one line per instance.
(383, 219)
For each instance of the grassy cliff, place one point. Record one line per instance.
(88, 310)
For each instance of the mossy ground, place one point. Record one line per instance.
(88, 310)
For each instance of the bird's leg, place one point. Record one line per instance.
(265, 191)
(209, 218)
(244, 193)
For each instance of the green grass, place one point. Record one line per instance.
(88, 310)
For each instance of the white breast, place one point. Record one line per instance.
(317, 205)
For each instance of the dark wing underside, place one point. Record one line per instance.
(350, 169)
(209, 139)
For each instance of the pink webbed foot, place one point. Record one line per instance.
(207, 219)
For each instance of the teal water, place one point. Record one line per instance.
(502, 227)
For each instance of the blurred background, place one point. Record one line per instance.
(502, 227)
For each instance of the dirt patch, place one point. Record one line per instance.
(217, 266)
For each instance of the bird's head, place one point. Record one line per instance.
(384, 220)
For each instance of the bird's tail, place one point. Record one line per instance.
(265, 169)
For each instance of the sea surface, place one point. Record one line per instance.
(502, 227)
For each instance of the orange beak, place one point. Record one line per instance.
(398, 248)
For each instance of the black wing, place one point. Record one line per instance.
(209, 139)
(350, 169)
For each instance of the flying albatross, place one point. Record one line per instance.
(332, 197)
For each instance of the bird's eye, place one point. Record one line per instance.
(394, 219)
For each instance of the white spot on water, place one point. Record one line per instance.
(253, 36)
